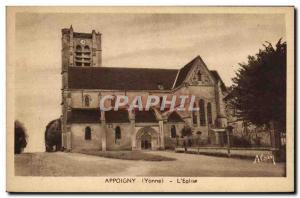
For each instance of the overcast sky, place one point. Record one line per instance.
(129, 40)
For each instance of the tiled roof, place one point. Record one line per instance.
(183, 72)
(174, 117)
(111, 78)
(120, 116)
(84, 116)
(145, 116)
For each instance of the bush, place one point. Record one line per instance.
(240, 142)
(20, 137)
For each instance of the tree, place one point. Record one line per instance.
(20, 137)
(259, 90)
(53, 136)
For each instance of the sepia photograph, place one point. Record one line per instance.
(150, 99)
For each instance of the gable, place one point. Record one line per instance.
(195, 73)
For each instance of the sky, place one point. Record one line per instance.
(128, 40)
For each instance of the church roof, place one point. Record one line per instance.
(84, 116)
(120, 116)
(217, 77)
(115, 78)
(145, 116)
(111, 78)
(174, 117)
(183, 72)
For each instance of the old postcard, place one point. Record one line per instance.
(150, 99)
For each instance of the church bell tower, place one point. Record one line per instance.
(80, 50)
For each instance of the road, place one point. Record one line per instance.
(185, 165)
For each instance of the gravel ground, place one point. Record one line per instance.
(75, 164)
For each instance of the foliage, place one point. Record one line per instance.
(53, 135)
(240, 142)
(20, 137)
(259, 90)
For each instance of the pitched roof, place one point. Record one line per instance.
(183, 72)
(114, 78)
(120, 78)
(174, 117)
(217, 77)
(145, 116)
(84, 116)
(120, 116)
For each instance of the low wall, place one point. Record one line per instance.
(229, 152)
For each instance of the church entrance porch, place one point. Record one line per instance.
(147, 139)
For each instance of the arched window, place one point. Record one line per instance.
(86, 48)
(78, 48)
(199, 76)
(202, 112)
(87, 99)
(87, 56)
(173, 131)
(88, 133)
(117, 134)
(209, 113)
(194, 113)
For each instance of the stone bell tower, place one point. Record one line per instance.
(78, 50)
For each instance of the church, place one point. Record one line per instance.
(85, 81)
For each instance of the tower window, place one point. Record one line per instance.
(88, 133)
(87, 48)
(87, 99)
(173, 131)
(78, 48)
(83, 56)
(202, 112)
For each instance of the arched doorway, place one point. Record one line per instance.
(147, 139)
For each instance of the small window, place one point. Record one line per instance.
(173, 131)
(88, 133)
(78, 48)
(86, 48)
(117, 134)
(87, 99)
(199, 76)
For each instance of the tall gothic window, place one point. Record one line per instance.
(209, 113)
(173, 131)
(117, 134)
(88, 133)
(202, 112)
(194, 113)
(87, 99)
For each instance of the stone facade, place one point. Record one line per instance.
(85, 82)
